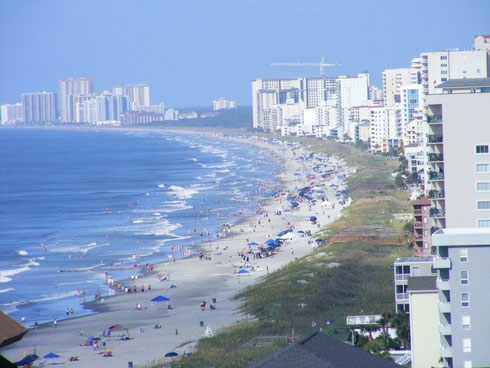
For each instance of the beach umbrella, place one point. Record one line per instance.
(28, 360)
(297, 174)
(286, 210)
(312, 218)
(252, 244)
(243, 272)
(171, 354)
(160, 298)
(294, 204)
(51, 356)
(290, 198)
(301, 232)
(270, 241)
(319, 240)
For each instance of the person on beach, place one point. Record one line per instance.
(55, 323)
(35, 325)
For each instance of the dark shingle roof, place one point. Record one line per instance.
(422, 283)
(465, 83)
(321, 351)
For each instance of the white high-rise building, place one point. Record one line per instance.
(98, 108)
(39, 107)
(223, 104)
(70, 87)
(12, 114)
(412, 102)
(138, 94)
(385, 129)
(352, 91)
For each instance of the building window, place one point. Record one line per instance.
(482, 168)
(463, 255)
(467, 364)
(483, 205)
(465, 300)
(464, 278)
(443, 71)
(443, 57)
(483, 186)
(466, 322)
(482, 148)
(483, 223)
(467, 345)
(443, 65)
(443, 79)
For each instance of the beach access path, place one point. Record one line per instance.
(196, 280)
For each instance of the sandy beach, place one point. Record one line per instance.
(215, 275)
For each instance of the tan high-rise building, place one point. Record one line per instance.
(138, 94)
(393, 81)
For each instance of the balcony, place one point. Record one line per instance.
(444, 307)
(433, 229)
(418, 237)
(437, 213)
(434, 119)
(446, 351)
(434, 139)
(436, 175)
(418, 224)
(402, 276)
(441, 263)
(435, 157)
(401, 296)
(436, 194)
(443, 284)
(418, 212)
(445, 329)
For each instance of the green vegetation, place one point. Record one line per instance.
(343, 278)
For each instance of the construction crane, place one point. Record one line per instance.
(321, 64)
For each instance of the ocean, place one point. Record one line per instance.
(76, 204)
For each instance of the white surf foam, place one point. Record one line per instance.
(161, 185)
(83, 248)
(181, 192)
(22, 253)
(6, 290)
(5, 274)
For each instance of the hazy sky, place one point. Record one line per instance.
(193, 51)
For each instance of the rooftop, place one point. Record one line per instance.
(413, 259)
(422, 283)
(462, 237)
(465, 83)
(321, 351)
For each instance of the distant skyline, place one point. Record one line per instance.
(192, 52)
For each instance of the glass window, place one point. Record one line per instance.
(482, 168)
(467, 364)
(443, 71)
(463, 255)
(483, 205)
(465, 300)
(482, 148)
(443, 57)
(483, 186)
(464, 278)
(483, 223)
(466, 322)
(467, 345)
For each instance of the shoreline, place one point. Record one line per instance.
(195, 279)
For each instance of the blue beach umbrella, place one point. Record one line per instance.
(51, 356)
(252, 244)
(160, 298)
(242, 272)
(269, 242)
(313, 218)
(171, 354)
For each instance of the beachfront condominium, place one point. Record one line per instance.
(223, 104)
(11, 114)
(70, 88)
(138, 94)
(459, 153)
(405, 267)
(393, 81)
(39, 107)
(441, 66)
(99, 108)
(303, 92)
(462, 263)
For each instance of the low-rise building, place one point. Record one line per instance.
(424, 321)
(12, 114)
(422, 224)
(140, 117)
(404, 268)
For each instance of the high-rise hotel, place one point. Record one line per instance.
(70, 88)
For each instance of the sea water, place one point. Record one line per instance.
(76, 204)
